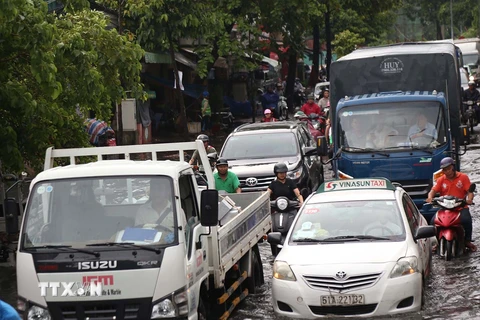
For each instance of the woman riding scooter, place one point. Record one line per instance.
(283, 186)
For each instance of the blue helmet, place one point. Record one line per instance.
(446, 162)
(205, 93)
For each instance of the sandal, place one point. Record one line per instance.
(434, 248)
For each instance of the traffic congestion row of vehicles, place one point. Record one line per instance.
(359, 245)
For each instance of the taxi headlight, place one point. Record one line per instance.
(282, 271)
(282, 204)
(174, 305)
(405, 266)
(38, 313)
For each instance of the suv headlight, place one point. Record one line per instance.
(282, 271)
(173, 305)
(405, 266)
(38, 313)
(295, 174)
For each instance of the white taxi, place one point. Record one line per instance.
(357, 247)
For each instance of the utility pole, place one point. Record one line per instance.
(451, 18)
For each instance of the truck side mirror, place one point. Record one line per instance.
(209, 208)
(12, 211)
(322, 146)
(464, 135)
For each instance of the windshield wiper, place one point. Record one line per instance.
(307, 240)
(355, 149)
(60, 246)
(354, 238)
(426, 149)
(124, 245)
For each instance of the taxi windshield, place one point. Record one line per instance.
(364, 219)
(82, 212)
(394, 126)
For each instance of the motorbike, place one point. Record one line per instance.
(318, 122)
(284, 211)
(450, 232)
(470, 114)
(308, 121)
(299, 98)
(282, 108)
(200, 175)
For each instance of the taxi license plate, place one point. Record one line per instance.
(342, 300)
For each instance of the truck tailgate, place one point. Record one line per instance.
(241, 232)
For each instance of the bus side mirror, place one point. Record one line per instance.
(322, 146)
(464, 135)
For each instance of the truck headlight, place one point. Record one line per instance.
(173, 305)
(295, 174)
(282, 271)
(38, 313)
(405, 266)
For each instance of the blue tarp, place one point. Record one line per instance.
(237, 107)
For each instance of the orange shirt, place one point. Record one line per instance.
(458, 187)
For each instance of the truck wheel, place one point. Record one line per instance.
(256, 278)
(202, 313)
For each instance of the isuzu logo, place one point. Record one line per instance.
(95, 265)
(341, 276)
(251, 182)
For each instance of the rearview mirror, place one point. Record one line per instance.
(322, 146)
(309, 151)
(274, 238)
(425, 232)
(472, 188)
(209, 208)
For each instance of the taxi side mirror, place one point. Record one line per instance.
(322, 146)
(425, 232)
(274, 238)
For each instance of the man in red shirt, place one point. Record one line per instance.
(454, 183)
(311, 107)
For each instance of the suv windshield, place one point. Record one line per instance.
(350, 219)
(261, 145)
(392, 126)
(83, 211)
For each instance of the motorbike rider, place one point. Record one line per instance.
(195, 161)
(268, 116)
(270, 99)
(324, 102)
(311, 107)
(455, 183)
(283, 186)
(224, 179)
(472, 94)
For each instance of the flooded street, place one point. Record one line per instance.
(453, 289)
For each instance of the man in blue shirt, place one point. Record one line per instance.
(7, 312)
(422, 128)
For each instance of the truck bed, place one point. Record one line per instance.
(239, 232)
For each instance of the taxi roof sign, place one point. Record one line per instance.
(356, 184)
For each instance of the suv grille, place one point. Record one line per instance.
(102, 310)
(350, 283)
(255, 183)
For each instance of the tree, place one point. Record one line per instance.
(346, 41)
(50, 65)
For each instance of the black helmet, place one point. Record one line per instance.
(203, 137)
(222, 161)
(280, 167)
(446, 162)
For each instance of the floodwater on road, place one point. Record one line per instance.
(453, 290)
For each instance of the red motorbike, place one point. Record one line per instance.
(316, 124)
(450, 232)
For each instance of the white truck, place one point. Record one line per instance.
(124, 239)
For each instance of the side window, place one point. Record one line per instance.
(411, 214)
(189, 207)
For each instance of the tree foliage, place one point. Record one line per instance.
(51, 64)
(347, 41)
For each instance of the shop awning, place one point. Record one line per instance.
(164, 58)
